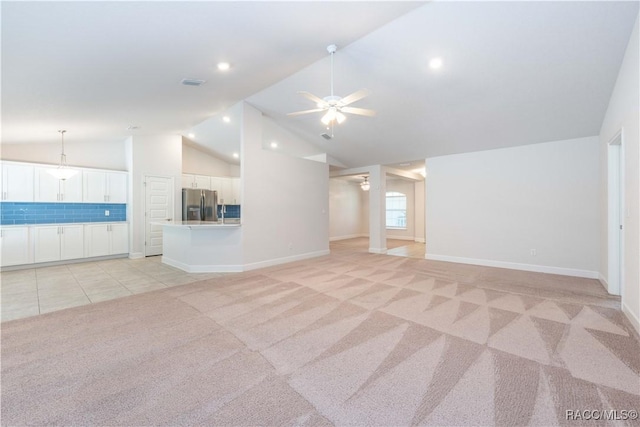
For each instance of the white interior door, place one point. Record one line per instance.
(158, 209)
(616, 216)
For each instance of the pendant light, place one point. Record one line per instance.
(365, 184)
(62, 172)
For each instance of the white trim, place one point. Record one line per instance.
(378, 250)
(516, 266)
(349, 236)
(240, 267)
(136, 255)
(419, 240)
(400, 237)
(603, 281)
(61, 262)
(278, 261)
(635, 322)
(202, 268)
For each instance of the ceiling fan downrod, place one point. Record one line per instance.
(332, 49)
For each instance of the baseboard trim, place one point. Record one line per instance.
(61, 262)
(378, 250)
(603, 281)
(410, 238)
(284, 260)
(635, 322)
(202, 268)
(587, 274)
(419, 240)
(349, 236)
(136, 255)
(240, 267)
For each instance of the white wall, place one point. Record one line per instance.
(345, 209)
(159, 155)
(285, 213)
(198, 162)
(493, 207)
(623, 113)
(100, 155)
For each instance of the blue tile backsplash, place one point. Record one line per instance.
(232, 211)
(12, 213)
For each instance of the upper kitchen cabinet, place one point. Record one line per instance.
(17, 182)
(104, 187)
(196, 181)
(50, 189)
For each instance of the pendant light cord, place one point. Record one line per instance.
(63, 157)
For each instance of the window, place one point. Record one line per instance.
(396, 210)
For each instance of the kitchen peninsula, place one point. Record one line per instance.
(202, 246)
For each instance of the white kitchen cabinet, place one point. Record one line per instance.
(50, 189)
(58, 242)
(228, 190)
(15, 245)
(17, 182)
(119, 238)
(106, 239)
(217, 185)
(104, 187)
(233, 193)
(196, 181)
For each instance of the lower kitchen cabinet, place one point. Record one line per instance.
(15, 246)
(106, 239)
(58, 242)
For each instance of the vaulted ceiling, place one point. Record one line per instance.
(513, 72)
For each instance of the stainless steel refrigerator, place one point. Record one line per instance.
(199, 205)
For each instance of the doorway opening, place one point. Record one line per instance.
(615, 215)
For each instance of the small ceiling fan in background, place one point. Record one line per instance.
(335, 106)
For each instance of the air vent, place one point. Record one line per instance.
(192, 82)
(326, 136)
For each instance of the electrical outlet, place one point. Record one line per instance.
(106, 213)
(533, 252)
(290, 246)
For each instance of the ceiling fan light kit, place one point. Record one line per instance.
(364, 185)
(335, 106)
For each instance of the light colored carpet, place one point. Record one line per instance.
(347, 339)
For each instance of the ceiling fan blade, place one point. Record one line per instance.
(312, 97)
(358, 111)
(299, 113)
(355, 96)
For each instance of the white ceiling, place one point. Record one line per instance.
(514, 72)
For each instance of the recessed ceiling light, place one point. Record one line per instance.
(405, 164)
(223, 66)
(133, 127)
(236, 155)
(274, 144)
(191, 135)
(435, 63)
(226, 119)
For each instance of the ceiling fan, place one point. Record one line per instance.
(335, 106)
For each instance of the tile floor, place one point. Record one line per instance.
(41, 290)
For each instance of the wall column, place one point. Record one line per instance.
(377, 210)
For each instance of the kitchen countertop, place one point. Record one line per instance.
(197, 224)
